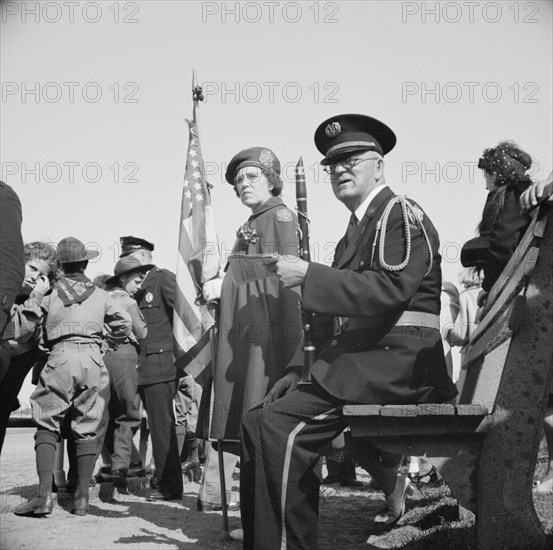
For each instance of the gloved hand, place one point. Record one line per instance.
(212, 289)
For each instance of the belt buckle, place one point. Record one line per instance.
(339, 325)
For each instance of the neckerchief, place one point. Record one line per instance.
(74, 288)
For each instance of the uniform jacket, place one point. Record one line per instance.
(260, 326)
(85, 321)
(139, 330)
(379, 363)
(12, 259)
(155, 299)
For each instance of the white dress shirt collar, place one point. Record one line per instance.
(362, 208)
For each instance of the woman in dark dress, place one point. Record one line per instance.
(260, 324)
(505, 169)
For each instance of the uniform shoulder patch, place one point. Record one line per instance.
(283, 215)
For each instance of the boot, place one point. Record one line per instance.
(191, 466)
(86, 450)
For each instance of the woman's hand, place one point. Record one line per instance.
(41, 285)
(482, 297)
(212, 289)
(286, 384)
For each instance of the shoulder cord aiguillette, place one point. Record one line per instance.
(382, 225)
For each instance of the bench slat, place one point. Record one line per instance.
(399, 410)
(435, 409)
(496, 334)
(362, 410)
(410, 411)
(517, 281)
(535, 229)
(473, 409)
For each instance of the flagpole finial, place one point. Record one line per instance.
(197, 91)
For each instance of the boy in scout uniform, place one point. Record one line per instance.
(75, 378)
(157, 372)
(377, 338)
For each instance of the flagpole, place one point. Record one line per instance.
(197, 96)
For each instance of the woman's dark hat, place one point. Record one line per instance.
(349, 133)
(72, 250)
(126, 265)
(254, 156)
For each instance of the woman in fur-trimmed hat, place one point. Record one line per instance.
(505, 169)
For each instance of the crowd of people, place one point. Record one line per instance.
(102, 351)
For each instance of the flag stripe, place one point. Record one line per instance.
(198, 261)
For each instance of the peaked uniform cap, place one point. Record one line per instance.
(130, 244)
(126, 265)
(349, 133)
(262, 157)
(72, 250)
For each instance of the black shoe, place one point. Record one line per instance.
(158, 495)
(136, 469)
(329, 480)
(119, 479)
(103, 475)
(350, 482)
(203, 506)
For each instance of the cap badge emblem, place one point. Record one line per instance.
(333, 129)
(266, 158)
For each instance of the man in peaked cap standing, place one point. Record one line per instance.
(377, 337)
(157, 372)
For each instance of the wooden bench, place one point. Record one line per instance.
(486, 445)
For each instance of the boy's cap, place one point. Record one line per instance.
(72, 250)
(126, 265)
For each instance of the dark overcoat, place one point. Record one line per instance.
(379, 363)
(260, 325)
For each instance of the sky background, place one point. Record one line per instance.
(95, 97)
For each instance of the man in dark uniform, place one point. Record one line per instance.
(377, 337)
(157, 372)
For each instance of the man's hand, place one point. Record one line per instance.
(212, 289)
(536, 192)
(286, 384)
(290, 269)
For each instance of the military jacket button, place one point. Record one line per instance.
(386, 348)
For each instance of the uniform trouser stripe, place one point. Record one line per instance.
(286, 469)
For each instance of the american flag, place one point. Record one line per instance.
(198, 262)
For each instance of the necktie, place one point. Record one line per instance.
(352, 228)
